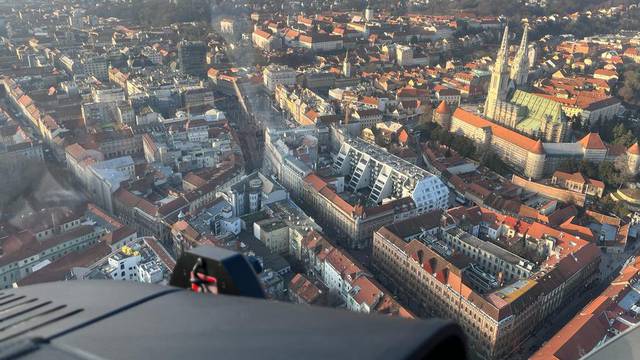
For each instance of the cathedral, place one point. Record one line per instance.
(509, 104)
(524, 129)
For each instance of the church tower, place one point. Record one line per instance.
(499, 85)
(346, 66)
(442, 115)
(520, 66)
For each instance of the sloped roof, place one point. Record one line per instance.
(443, 108)
(538, 110)
(592, 141)
(538, 148)
(497, 130)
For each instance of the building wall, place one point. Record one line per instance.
(490, 336)
(276, 240)
(566, 196)
(428, 297)
(15, 270)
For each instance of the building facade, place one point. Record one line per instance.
(497, 297)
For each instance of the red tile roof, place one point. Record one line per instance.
(443, 108)
(304, 289)
(592, 141)
(160, 252)
(497, 130)
(263, 34)
(585, 331)
(575, 339)
(538, 148)
(576, 177)
(58, 269)
(366, 292)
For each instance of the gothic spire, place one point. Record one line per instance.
(503, 53)
(499, 84)
(520, 67)
(524, 43)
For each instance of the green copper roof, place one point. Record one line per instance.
(535, 110)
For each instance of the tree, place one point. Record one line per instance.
(622, 136)
(576, 123)
(613, 174)
(571, 165)
(609, 206)
(630, 89)
(465, 147)
(589, 169)
(491, 160)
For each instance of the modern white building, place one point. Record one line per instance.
(142, 260)
(384, 176)
(123, 264)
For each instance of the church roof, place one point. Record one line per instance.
(592, 141)
(537, 109)
(443, 108)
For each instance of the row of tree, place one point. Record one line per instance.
(629, 91)
(613, 174)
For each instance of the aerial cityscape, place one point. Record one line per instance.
(476, 161)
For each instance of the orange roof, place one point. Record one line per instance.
(262, 33)
(443, 108)
(403, 137)
(337, 200)
(497, 130)
(580, 335)
(592, 141)
(315, 181)
(576, 177)
(538, 148)
(25, 100)
(365, 291)
(320, 186)
(634, 149)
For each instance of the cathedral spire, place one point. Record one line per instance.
(499, 85)
(503, 53)
(524, 43)
(520, 67)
